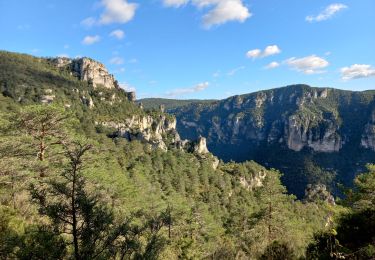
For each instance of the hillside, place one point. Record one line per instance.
(311, 134)
(155, 103)
(139, 191)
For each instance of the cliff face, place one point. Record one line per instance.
(94, 72)
(158, 130)
(89, 70)
(298, 117)
(368, 136)
(279, 126)
(154, 131)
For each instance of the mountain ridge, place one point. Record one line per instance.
(297, 121)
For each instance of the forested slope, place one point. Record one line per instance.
(87, 174)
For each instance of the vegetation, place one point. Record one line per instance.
(353, 235)
(72, 190)
(256, 127)
(155, 103)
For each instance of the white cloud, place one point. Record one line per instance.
(327, 13)
(219, 11)
(117, 11)
(268, 51)
(235, 70)
(309, 65)
(66, 46)
(225, 11)
(117, 60)
(254, 53)
(88, 22)
(127, 87)
(357, 71)
(88, 40)
(175, 3)
(119, 34)
(272, 65)
(271, 50)
(183, 91)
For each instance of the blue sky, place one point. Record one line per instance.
(203, 48)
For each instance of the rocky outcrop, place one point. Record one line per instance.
(131, 96)
(88, 101)
(89, 70)
(200, 146)
(368, 135)
(318, 192)
(47, 99)
(157, 132)
(292, 116)
(321, 138)
(94, 72)
(254, 182)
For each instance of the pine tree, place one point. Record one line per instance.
(72, 210)
(31, 134)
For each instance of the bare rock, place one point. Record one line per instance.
(318, 192)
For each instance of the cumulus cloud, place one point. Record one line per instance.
(225, 11)
(175, 3)
(357, 71)
(117, 60)
(268, 51)
(219, 11)
(119, 34)
(309, 65)
(183, 91)
(88, 40)
(272, 65)
(327, 13)
(117, 11)
(127, 87)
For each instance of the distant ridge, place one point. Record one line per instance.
(155, 103)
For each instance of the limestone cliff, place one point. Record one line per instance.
(146, 128)
(286, 127)
(89, 70)
(368, 135)
(159, 131)
(269, 116)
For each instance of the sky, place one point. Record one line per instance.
(205, 49)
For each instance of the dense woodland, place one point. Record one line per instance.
(70, 189)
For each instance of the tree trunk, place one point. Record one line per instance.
(74, 215)
(42, 150)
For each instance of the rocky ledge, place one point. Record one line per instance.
(86, 69)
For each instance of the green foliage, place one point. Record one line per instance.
(40, 242)
(278, 251)
(155, 103)
(354, 235)
(129, 201)
(256, 127)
